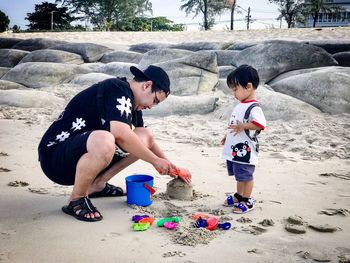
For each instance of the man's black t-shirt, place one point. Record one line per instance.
(82, 112)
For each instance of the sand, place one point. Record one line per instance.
(302, 182)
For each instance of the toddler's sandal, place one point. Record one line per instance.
(242, 208)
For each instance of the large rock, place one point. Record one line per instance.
(4, 85)
(188, 105)
(224, 71)
(29, 99)
(122, 56)
(88, 51)
(332, 46)
(196, 46)
(116, 69)
(145, 47)
(276, 106)
(40, 74)
(224, 57)
(192, 75)
(275, 57)
(326, 88)
(89, 79)
(9, 42)
(242, 45)
(55, 56)
(3, 71)
(36, 43)
(343, 58)
(160, 55)
(11, 57)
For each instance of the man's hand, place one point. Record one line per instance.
(163, 166)
(236, 128)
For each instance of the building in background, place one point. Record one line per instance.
(331, 20)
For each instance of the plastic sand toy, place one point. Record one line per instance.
(181, 173)
(140, 226)
(198, 215)
(137, 218)
(200, 222)
(149, 220)
(161, 221)
(170, 225)
(225, 226)
(212, 223)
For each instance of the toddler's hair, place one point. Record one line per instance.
(242, 76)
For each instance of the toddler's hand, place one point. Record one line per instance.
(236, 128)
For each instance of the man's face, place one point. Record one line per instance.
(149, 99)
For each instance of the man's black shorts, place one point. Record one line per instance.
(59, 164)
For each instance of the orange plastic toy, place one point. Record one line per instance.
(181, 173)
(149, 220)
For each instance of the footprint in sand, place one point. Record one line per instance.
(174, 254)
(295, 225)
(316, 256)
(267, 222)
(39, 190)
(255, 230)
(244, 220)
(4, 154)
(334, 211)
(18, 183)
(324, 228)
(336, 175)
(2, 169)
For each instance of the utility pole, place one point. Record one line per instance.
(248, 18)
(52, 19)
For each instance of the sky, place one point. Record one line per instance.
(263, 12)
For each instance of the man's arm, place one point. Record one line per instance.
(129, 141)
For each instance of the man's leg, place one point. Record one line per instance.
(100, 151)
(146, 137)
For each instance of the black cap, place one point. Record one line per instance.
(158, 76)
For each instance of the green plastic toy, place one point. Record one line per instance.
(140, 226)
(174, 219)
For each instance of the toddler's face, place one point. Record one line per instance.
(242, 93)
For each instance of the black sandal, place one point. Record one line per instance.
(85, 206)
(108, 191)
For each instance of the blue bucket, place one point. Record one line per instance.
(139, 189)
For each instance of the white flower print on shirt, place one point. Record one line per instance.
(125, 106)
(50, 144)
(61, 137)
(78, 124)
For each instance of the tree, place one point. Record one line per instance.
(4, 21)
(48, 16)
(109, 14)
(231, 5)
(315, 7)
(209, 8)
(159, 23)
(16, 29)
(291, 10)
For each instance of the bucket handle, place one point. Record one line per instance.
(149, 188)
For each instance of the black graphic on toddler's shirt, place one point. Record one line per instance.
(241, 152)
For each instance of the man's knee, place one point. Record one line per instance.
(101, 143)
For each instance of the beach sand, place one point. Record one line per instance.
(303, 172)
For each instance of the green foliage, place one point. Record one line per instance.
(109, 14)
(314, 7)
(160, 23)
(4, 21)
(208, 8)
(46, 13)
(16, 29)
(290, 10)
